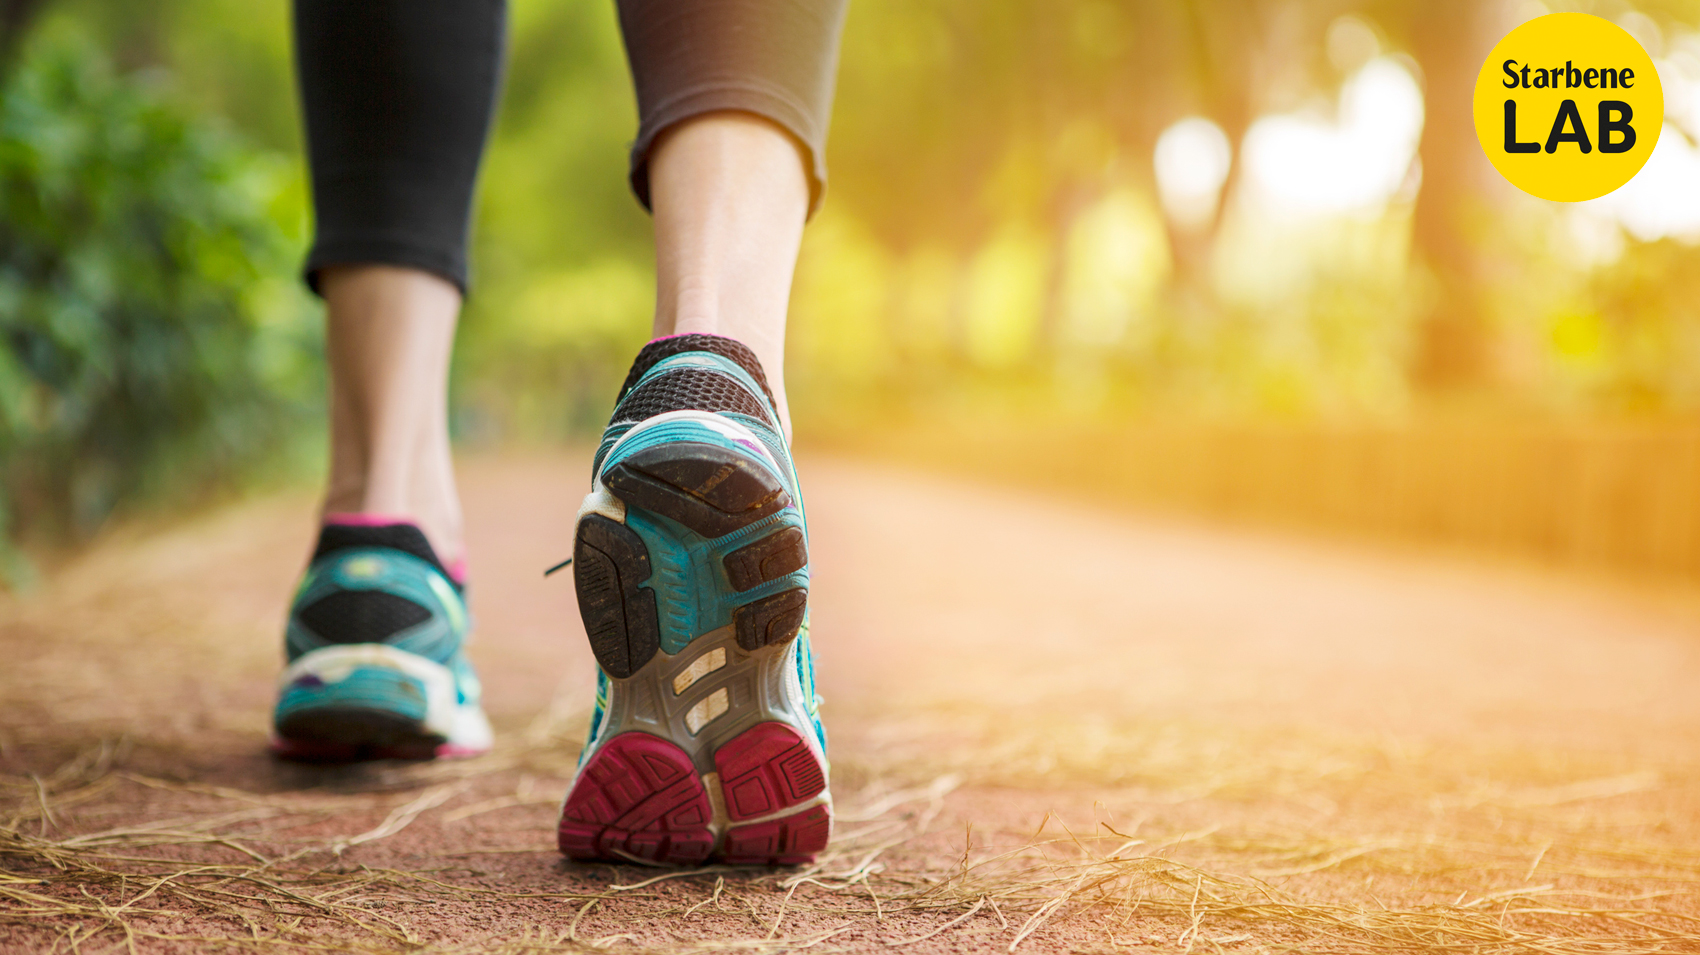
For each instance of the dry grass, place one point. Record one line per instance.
(1232, 837)
(1118, 878)
(223, 873)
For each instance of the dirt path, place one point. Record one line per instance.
(1052, 729)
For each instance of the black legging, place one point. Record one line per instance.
(398, 96)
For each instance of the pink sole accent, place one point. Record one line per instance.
(791, 840)
(767, 768)
(638, 798)
(350, 519)
(457, 751)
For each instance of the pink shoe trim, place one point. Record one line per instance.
(638, 798)
(789, 840)
(460, 751)
(349, 519)
(457, 571)
(767, 768)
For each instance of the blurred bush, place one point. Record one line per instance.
(563, 283)
(547, 362)
(155, 338)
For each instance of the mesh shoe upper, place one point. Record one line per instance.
(695, 389)
(728, 348)
(696, 373)
(381, 584)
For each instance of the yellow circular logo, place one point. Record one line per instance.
(1568, 107)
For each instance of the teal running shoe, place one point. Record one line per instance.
(692, 571)
(375, 639)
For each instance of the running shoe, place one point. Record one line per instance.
(375, 640)
(691, 565)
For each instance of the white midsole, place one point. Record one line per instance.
(461, 724)
(599, 501)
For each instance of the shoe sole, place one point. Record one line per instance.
(702, 755)
(372, 701)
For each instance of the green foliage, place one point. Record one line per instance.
(152, 333)
(562, 287)
(992, 229)
(1639, 350)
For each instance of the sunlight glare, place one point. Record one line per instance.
(1663, 200)
(1192, 161)
(1117, 257)
(1304, 165)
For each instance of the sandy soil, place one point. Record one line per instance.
(1053, 729)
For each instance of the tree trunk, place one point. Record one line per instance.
(15, 19)
(1450, 38)
(1226, 44)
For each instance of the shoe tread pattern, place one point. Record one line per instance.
(610, 563)
(790, 840)
(638, 798)
(769, 558)
(766, 769)
(771, 621)
(710, 489)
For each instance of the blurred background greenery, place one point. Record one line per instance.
(1256, 237)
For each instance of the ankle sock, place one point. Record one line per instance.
(343, 531)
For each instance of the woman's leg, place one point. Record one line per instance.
(389, 331)
(398, 97)
(734, 99)
(690, 556)
(730, 195)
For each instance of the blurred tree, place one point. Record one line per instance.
(1640, 351)
(1226, 55)
(978, 150)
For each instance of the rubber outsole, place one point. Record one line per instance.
(710, 489)
(352, 734)
(767, 559)
(352, 702)
(714, 492)
(640, 799)
(771, 621)
(609, 564)
(767, 768)
(698, 766)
